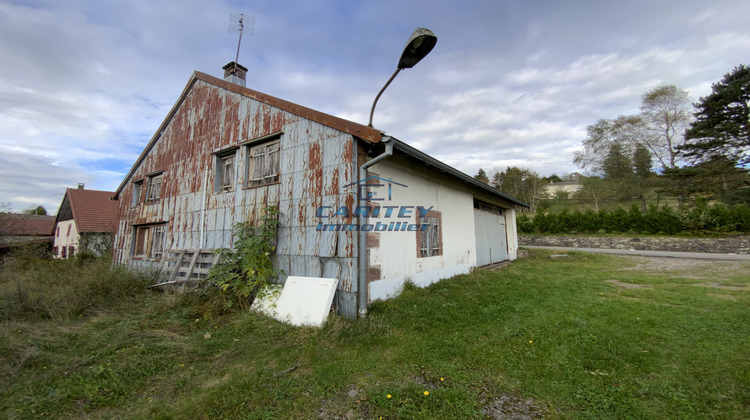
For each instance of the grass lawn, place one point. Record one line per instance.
(591, 336)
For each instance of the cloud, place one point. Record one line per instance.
(84, 84)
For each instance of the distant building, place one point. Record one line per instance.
(571, 185)
(86, 220)
(23, 229)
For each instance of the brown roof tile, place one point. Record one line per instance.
(93, 210)
(26, 224)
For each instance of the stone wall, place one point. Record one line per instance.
(730, 245)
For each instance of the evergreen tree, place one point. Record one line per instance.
(481, 176)
(722, 125)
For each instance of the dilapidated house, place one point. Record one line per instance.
(355, 204)
(86, 220)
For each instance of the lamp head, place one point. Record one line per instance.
(420, 43)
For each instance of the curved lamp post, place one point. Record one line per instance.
(420, 43)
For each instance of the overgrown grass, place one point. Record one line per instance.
(34, 288)
(546, 336)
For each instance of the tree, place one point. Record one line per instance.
(624, 131)
(520, 183)
(617, 165)
(554, 178)
(38, 210)
(722, 124)
(481, 176)
(642, 162)
(665, 114)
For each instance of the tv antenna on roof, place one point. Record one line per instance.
(237, 23)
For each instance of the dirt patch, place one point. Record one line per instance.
(721, 286)
(514, 408)
(692, 268)
(626, 285)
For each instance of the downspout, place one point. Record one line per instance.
(362, 275)
(203, 209)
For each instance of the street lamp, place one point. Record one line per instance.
(420, 43)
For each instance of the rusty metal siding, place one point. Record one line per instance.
(316, 162)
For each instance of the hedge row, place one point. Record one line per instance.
(656, 220)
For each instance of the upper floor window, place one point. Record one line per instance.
(225, 170)
(154, 188)
(263, 164)
(137, 189)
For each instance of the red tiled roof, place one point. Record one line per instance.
(26, 224)
(93, 210)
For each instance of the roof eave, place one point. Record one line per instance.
(431, 161)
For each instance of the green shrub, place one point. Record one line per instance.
(241, 273)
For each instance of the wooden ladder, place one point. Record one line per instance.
(180, 266)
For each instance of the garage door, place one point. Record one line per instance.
(492, 242)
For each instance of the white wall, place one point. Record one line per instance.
(65, 239)
(397, 253)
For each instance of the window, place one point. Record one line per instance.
(430, 235)
(263, 164)
(69, 226)
(71, 251)
(63, 253)
(154, 188)
(137, 189)
(149, 241)
(57, 234)
(225, 168)
(55, 251)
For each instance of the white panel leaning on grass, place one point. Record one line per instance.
(301, 301)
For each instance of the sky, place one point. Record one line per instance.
(84, 84)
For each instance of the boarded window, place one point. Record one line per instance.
(137, 190)
(263, 164)
(154, 188)
(149, 241)
(225, 170)
(430, 235)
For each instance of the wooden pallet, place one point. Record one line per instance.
(180, 266)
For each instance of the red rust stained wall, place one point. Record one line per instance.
(316, 163)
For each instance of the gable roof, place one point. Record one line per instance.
(93, 211)
(26, 224)
(363, 132)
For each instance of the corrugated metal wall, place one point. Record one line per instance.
(316, 162)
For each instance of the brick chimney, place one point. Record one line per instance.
(235, 73)
(80, 185)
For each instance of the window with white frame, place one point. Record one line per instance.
(154, 188)
(149, 241)
(263, 163)
(225, 171)
(430, 235)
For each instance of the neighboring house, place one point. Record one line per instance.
(86, 220)
(23, 229)
(554, 189)
(354, 204)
